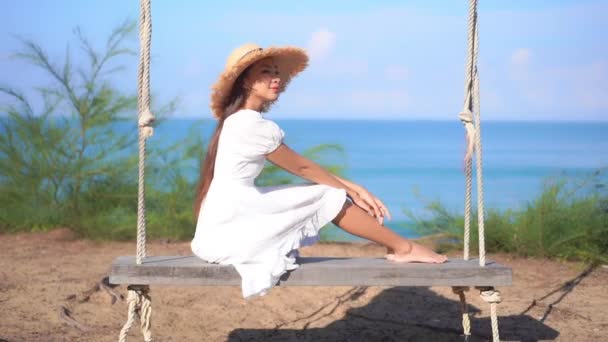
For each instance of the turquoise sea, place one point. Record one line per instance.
(392, 158)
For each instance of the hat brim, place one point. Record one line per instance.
(290, 60)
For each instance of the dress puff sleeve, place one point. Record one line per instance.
(261, 137)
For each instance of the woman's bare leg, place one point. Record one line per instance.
(357, 222)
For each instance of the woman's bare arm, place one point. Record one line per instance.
(298, 165)
(294, 163)
(353, 186)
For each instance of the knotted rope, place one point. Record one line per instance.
(138, 297)
(492, 296)
(140, 304)
(145, 119)
(470, 117)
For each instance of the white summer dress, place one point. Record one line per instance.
(258, 229)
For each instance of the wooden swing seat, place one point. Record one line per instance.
(313, 271)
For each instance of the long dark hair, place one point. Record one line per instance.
(234, 101)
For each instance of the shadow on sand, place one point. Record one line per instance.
(400, 314)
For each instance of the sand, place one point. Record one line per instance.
(45, 274)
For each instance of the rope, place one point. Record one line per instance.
(470, 117)
(466, 321)
(466, 118)
(478, 157)
(145, 119)
(492, 296)
(140, 305)
(138, 296)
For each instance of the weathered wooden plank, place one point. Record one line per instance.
(326, 271)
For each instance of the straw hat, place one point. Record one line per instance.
(290, 60)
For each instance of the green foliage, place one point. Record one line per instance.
(567, 220)
(69, 165)
(74, 163)
(49, 162)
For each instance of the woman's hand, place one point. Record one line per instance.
(380, 210)
(370, 203)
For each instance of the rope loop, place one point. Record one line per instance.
(466, 116)
(490, 295)
(471, 133)
(146, 118)
(140, 305)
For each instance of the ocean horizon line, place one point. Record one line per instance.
(401, 120)
(377, 119)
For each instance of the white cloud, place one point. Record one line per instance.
(396, 73)
(537, 92)
(590, 83)
(558, 87)
(519, 67)
(321, 43)
(521, 57)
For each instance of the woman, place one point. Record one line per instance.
(259, 229)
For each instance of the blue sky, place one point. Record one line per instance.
(539, 60)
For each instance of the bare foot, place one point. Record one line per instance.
(418, 253)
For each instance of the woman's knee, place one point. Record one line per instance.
(347, 204)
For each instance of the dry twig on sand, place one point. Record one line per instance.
(103, 284)
(66, 316)
(109, 289)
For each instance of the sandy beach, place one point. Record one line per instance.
(48, 279)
